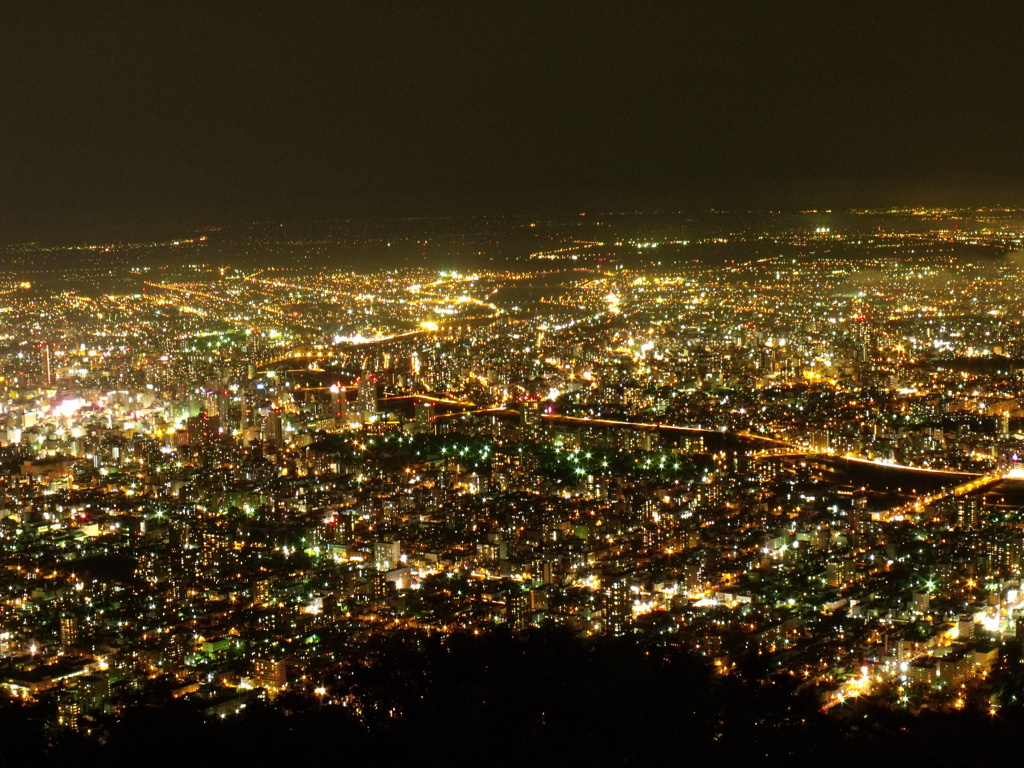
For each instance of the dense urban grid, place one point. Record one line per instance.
(239, 474)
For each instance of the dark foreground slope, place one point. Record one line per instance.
(546, 698)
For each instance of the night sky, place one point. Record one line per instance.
(147, 112)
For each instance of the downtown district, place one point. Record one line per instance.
(230, 481)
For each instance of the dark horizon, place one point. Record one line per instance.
(754, 199)
(119, 117)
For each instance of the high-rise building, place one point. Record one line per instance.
(270, 673)
(366, 402)
(339, 402)
(273, 434)
(386, 555)
(257, 348)
(517, 607)
(202, 430)
(617, 611)
(425, 412)
(968, 512)
(68, 632)
(47, 365)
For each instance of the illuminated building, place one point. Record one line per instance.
(617, 606)
(68, 632)
(270, 673)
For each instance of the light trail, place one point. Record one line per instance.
(918, 505)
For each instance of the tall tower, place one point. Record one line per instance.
(366, 402)
(256, 349)
(339, 402)
(68, 632)
(517, 607)
(617, 612)
(272, 431)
